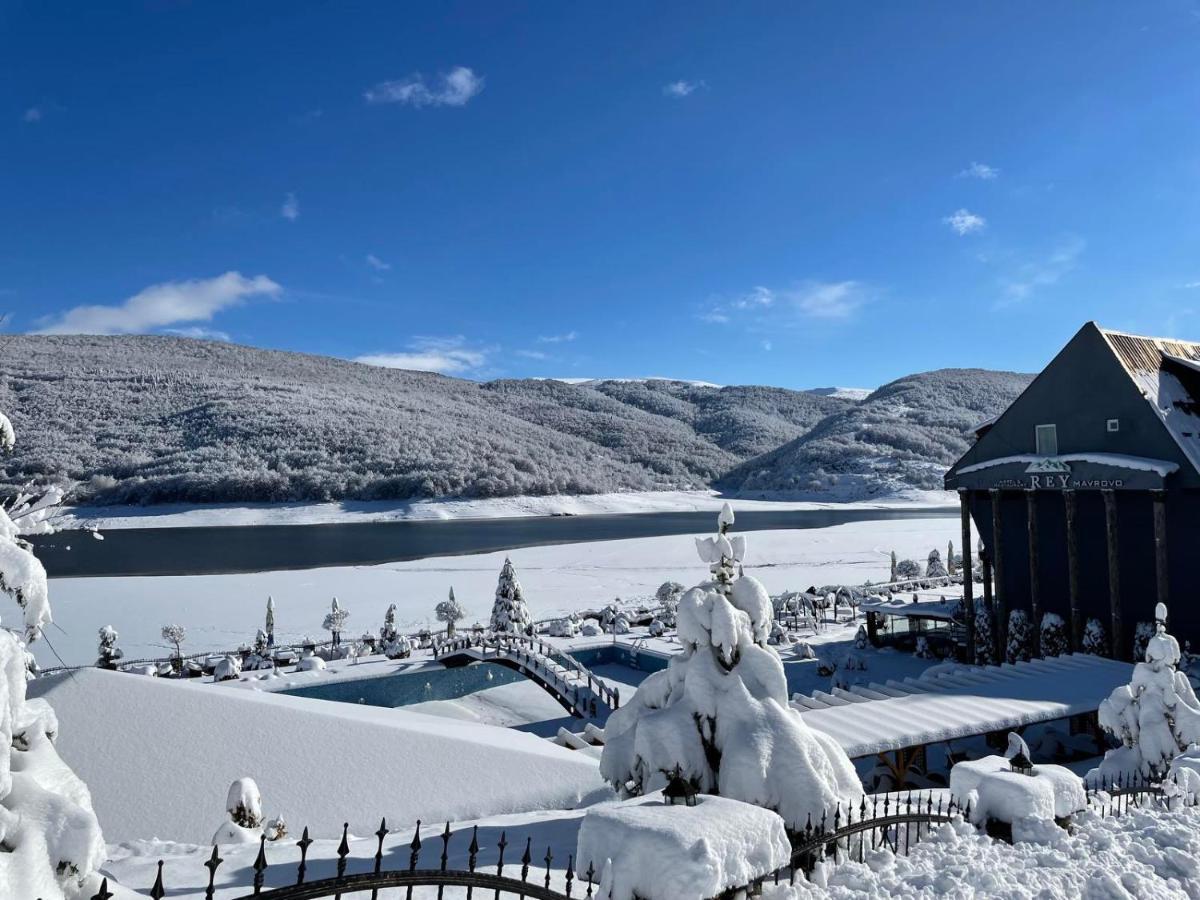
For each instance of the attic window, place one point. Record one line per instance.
(1114, 425)
(1047, 440)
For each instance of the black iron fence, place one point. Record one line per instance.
(1114, 797)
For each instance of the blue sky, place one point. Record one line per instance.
(797, 194)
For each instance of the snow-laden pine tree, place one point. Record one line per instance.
(985, 635)
(50, 841)
(719, 713)
(269, 623)
(509, 612)
(1094, 641)
(109, 653)
(1054, 641)
(1142, 633)
(1020, 637)
(450, 611)
(335, 622)
(951, 559)
(934, 567)
(387, 633)
(1156, 716)
(667, 597)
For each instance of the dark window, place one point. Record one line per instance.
(1047, 440)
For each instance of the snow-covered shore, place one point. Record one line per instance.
(177, 515)
(222, 611)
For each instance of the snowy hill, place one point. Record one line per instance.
(151, 419)
(901, 437)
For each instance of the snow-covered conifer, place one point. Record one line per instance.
(387, 633)
(894, 573)
(109, 652)
(860, 638)
(934, 567)
(269, 624)
(243, 802)
(719, 713)
(985, 640)
(667, 597)
(1142, 633)
(1020, 637)
(335, 621)
(1054, 640)
(261, 649)
(509, 612)
(450, 611)
(1095, 640)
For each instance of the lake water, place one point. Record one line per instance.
(219, 550)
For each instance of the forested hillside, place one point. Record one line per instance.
(903, 436)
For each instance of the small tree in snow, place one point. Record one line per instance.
(387, 633)
(1095, 641)
(1141, 637)
(719, 714)
(175, 635)
(907, 569)
(109, 652)
(1054, 635)
(951, 561)
(894, 574)
(509, 612)
(1020, 637)
(1156, 716)
(667, 596)
(985, 635)
(450, 611)
(335, 621)
(261, 644)
(269, 624)
(934, 567)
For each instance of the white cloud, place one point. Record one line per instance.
(756, 299)
(1192, 284)
(1043, 272)
(200, 333)
(33, 114)
(377, 264)
(714, 317)
(829, 299)
(532, 354)
(964, 221)
(979, 170)
(447, 355)
(681, 88)
(453, 88)
(558, 338)
(291, 207)
(766, 345)
(162, 305)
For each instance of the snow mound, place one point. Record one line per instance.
(663, 852)
(321, 763)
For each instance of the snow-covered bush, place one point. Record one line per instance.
(1142, 633)
(1020, 637)
(667, 597)
(1095, 640)
(619, 624)
(860, 638)
(109, 652)
(50, 841)
(1054, 635)
(779, 636)
(907, 569)
(387, 632)
(719, 712)
(589, 629)
(922, 650)
(934, 567)
(399, 647)
(804, 650)
(450, 611)
(243, 802)
(509, 612)
(228, 669)
(657, 628)
(310, 664)
(335, 621)
(565, 627)
(985, 636)
(261, 645)
(1155, 717)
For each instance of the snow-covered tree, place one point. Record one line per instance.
(719, 713)
(175, 635)
(894, 573)
(922, 649)
(109, 652)
(667, 597)
(509, 612)
(269, 624)
(1142, 633)
(243, 802)
(1156, 716)
(387, 632)
(656, 627)
(934, 567)
(335, 621)
(261, 646)
(1095, 640)
(951, 559)
(907, 569)
(1020, 637)
(1054, 640)
(985, 635)
(50, 841)
(450, 611)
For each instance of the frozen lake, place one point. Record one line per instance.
(215, 550)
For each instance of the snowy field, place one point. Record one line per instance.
(177, 515)
(223, 611)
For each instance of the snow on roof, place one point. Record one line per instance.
(1161, 466)
(951, 702)
(158, 756)
(1142, 358)
(922, 609)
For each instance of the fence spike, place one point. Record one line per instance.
(343, 851)
(473, 850)
(591, 875)
(445, 846)
(211, 864)
(381, 834)
(260, 864)
(549, 859)
(414, 847)
(303, 844)
(105, 894)
(500, 865)
(158, 892)
(570, 873)
(526, 858)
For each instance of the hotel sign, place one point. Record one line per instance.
(1079, 473)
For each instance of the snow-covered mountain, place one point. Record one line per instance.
(149, 419)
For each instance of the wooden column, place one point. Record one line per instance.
(1114, 574)
(1160, 543)
(985, 561)
(968, 575)
(1035, 606)
(1000, 629)
(1076, 623)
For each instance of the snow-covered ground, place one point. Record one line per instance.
(221, 612)
(177, 515)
